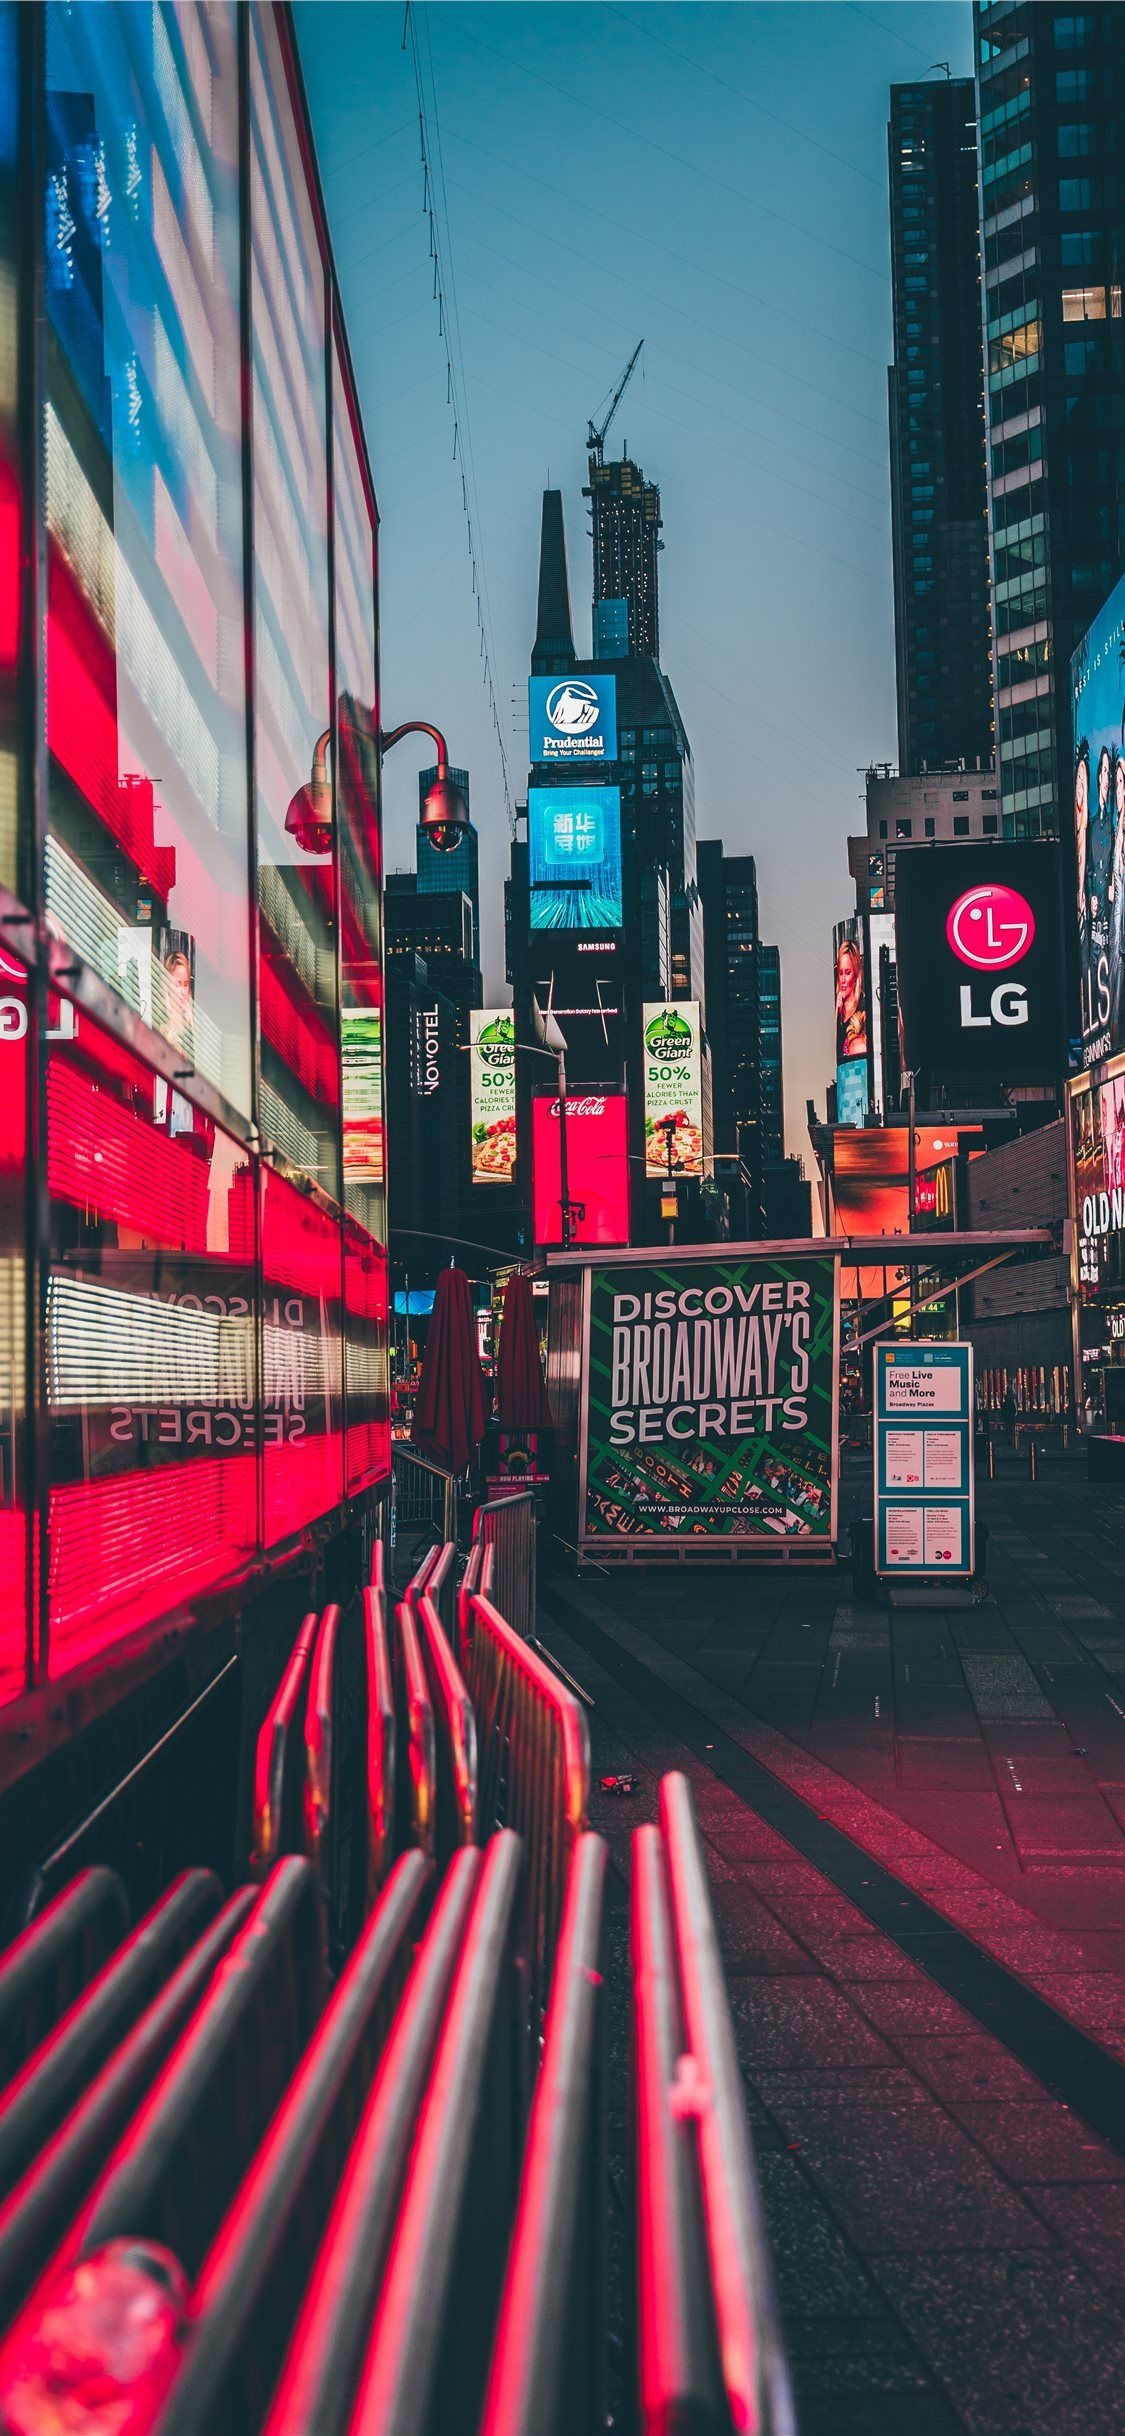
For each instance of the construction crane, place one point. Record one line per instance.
(595, 438)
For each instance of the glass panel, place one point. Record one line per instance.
(368, 1447)
(301, 1356)
(13, 1190)
(296, 865)
(148, 856)
(151, 1362)
(9, 479)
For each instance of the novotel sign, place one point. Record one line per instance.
(977, 952)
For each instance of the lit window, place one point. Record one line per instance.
(1083, 304)
(903, 828)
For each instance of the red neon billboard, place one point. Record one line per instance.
(597, 1168)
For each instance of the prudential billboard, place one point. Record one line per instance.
(572, 719)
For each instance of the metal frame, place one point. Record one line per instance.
(903, 1575)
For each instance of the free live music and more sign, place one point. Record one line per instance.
(924, 1513)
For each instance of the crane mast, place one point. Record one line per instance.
(595, 437)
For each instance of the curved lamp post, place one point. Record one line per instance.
(445, 814)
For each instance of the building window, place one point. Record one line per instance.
(1013, 346)
(989, 824)
(930, 825)
(882, 828)
(1074, 143)
(1079, 354)
(960, 824)
(903, 828)
(1073, 33)
(960, 795)
(1073, 84)
(1075, 194)
(1083, 304)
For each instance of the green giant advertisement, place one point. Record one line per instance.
(710, 1401)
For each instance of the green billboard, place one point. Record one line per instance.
(709, 1408)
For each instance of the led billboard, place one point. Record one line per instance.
(1097, 686)
(597, 1168)
(977, 953)
(709, 1402)
(673, 1088)
(574, 853)
(851, 994)
(492, 1094)
(572, 719)
(851, 1091)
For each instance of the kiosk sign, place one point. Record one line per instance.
(924, 1459)
(709, 1404)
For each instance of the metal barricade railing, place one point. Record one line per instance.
(476, 1578)
(424, 1494)
(707, 2089)
(323, 2362)
(44, 1968)
(548, 2372)
(508, 1526)
(279, 1760)
(321, 1761)
(534, 1772)
(416, 1796)
(251, 2285)
(381, 1752)
(427, 2357)
(441, 1586)
(455, 1784)
(36, 2212)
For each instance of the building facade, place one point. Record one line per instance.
(939, 514)
(1050, 94)
(193, 1337)
(625, 525)
(769, 1054)
(728, 887)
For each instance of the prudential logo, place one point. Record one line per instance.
(572, 708)
(990, 928)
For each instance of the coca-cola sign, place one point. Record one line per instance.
(597, 1168)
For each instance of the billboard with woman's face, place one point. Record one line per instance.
(1098, 705)
(851, 998)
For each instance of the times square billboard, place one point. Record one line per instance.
(978, 960)
(1097, 685)
(574, 857)
(572, 719)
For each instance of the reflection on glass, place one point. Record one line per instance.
(151, 1362)
(296, 878)
(10, 520)
(13, 1156)
(301, 1384)
(148, 852)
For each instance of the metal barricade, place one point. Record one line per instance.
(321, 2368)
(381, 1739)
(427, 2357)
(547, 2376)
(44, 1968)
(707, 2089)
(321, 1762)
(441, 1586)
(424, 1494)
(416, 1795)
(251, 2284)
(508, 1527)
(534, 1772)
(455, 1783)
(279, 1761)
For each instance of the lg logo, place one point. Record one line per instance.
(991, 928)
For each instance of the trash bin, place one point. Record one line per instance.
(863, 1556)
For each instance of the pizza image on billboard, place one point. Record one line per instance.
(673, 1089)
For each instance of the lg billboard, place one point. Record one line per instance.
(977, 947)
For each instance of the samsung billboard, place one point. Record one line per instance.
(977, 951)
(574, 854)
(572, 719)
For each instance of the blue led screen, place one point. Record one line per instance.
(575, 857)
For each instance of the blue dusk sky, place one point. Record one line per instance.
(712, 179)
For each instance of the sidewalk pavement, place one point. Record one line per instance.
(916, 1842)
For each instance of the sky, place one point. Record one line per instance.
(712, 179)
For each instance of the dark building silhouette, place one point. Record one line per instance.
(769, 1051)
(939, 510)
(728, 888)
(625, 524)
(1050, 95)
(552, 652)
(452, 871)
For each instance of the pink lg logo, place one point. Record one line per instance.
(990, 927)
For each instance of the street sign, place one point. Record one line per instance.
(924, 1513)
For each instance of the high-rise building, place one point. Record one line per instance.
(625, 523)
(1050, 93)
(939, 513)
(453, 870)
(769, 1052)
(728, 888)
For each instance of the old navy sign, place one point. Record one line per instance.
(976, 931)
(572, 719)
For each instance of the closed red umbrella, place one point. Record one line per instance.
(450, 1413)
(521, 1390)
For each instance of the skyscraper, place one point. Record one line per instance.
(450, 871)
(625, 523)
(1051, 89)
(769, 1033)
(939, 511)
(728, 888)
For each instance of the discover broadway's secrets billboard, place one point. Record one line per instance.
(710, 1401)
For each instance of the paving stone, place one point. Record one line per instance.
(897, 2171)
(837, 2356)
(876, 2415)
(817, 2273)
(1091, 2223)
(1040, 2142)
(1004, 1687)
(918, 2007)
(968, 2064)
(790, 2023)
(942, 1761)
(753, 1939)
(1021, 2341)
(870, 1957)
(1070, 1830)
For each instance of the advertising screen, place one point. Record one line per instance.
(851, 997)
(574, 837)
(709, 1401)
(492, 1094)
(361, 1054)
(673, 1088)
(597, 1168)
(1097, 685)
(572, 719)
(851, 1091)
(977, 951)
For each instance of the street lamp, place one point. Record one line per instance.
(668, 1129)
(445, 814)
